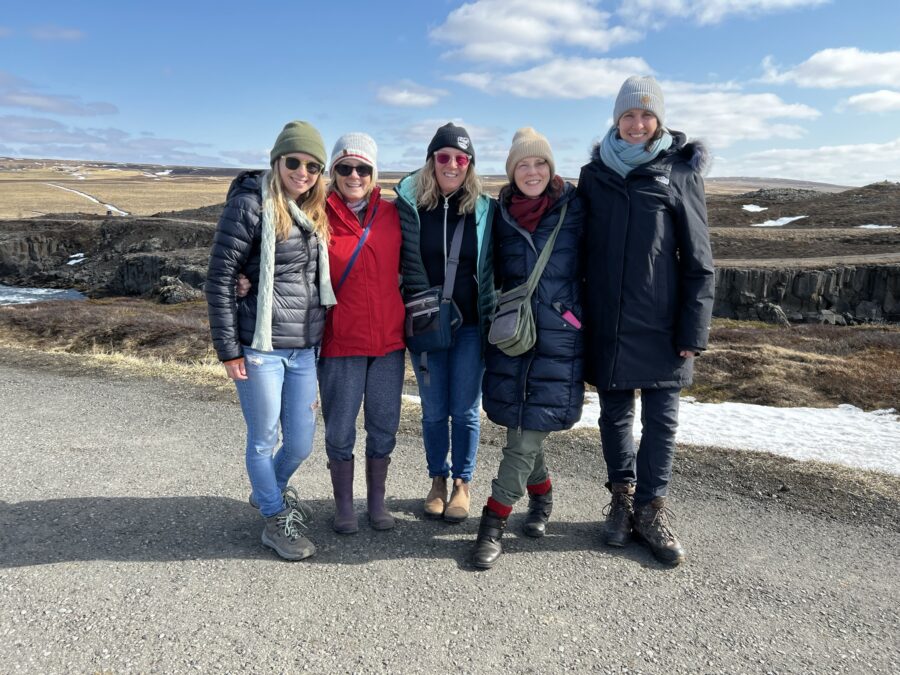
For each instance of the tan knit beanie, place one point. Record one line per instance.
(528, 143)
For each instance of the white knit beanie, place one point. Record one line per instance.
(528, 143)
(642, 93)
(355, 145)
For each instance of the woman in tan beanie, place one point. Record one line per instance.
(540, 391)
(274, 230)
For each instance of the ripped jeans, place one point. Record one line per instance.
(280, 388)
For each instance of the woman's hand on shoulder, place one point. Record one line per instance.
(235, 368)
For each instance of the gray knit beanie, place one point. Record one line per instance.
(528, 143)
(299, 136)
(355, 145)
(642, 93)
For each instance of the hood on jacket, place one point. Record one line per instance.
(246, 181)
(696, 153)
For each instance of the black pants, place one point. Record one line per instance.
(650, 467)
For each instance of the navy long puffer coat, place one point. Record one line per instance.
(298, 319)
(543, 389)
(649, 269)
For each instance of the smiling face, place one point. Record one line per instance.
(353, 187)
(637, 126)
(532, 176)
(450, 175)
(300, 180)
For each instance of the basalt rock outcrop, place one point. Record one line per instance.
(104, 256)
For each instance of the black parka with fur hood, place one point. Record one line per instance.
(649, 278)
(298, 318)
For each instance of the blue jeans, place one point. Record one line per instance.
(280, 388)
(451, 405)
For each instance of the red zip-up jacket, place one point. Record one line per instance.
(368, 318)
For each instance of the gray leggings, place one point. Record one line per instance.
(344, 382)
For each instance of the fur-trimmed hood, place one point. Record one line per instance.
(696, 153)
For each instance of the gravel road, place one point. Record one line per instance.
(127, 545)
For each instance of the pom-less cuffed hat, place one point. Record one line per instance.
(642, 93)
(299, 136)
(355, 145)
(528, 143)
(451, 136)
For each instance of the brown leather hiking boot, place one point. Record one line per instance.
(653, 524)
(458, 507)
(619, 514)
(436, 500)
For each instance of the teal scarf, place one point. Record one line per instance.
(262, 335)
(622, 156)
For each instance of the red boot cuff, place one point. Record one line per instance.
(540, 488)
(501, 510)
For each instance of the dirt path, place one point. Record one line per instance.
(126, 544)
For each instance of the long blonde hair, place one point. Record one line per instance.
(428, 192)
(311, 202)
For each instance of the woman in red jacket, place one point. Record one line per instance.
(362, 358)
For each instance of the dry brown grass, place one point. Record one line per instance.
(809, 365)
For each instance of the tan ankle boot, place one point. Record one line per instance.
(458, 508)
(436, 501)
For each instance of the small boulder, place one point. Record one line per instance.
(172, 291)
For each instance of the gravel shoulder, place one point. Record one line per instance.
(126, 544)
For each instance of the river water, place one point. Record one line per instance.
(10, 295)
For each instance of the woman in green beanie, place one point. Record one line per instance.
(274, 230)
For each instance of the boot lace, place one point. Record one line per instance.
(663, 521)
(292, 499)
(619, 504)
(292, 523)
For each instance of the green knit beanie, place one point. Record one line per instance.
(298, 136)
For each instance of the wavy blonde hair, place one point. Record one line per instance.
(311, 202)
(428, 192)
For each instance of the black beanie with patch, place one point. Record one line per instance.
(451, 136)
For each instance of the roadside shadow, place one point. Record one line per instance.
(207, 527)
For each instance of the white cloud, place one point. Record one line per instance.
(408, 94)
(572, 78)
(839, 67)
(36, 137)
(881, 101)
(842, 164)
(723, 118)
(18, 93)
(56, 33)
(708, 11)
(514, 31)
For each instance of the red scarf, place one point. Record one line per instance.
(528, 211)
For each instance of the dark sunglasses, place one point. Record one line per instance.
(292, 164)
(362, 170)
(462, 161)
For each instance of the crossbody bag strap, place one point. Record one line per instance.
(453, 260)
(359, 245)
(535, 275)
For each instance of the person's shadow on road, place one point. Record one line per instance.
(207, 527)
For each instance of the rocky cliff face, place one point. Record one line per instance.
(860, 292)
(114, 256)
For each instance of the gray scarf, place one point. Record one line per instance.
(622, 156)
(262, 335)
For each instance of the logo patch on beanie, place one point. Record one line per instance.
(645, 99)
(463, 142)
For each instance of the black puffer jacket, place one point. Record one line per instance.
(298, 320)
(649, 270)
(543, 389)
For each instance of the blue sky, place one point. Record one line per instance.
(803, 89)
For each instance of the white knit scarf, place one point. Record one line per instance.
(262, 335)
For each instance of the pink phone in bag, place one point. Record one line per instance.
(571, 319)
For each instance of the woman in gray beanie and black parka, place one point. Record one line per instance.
(648, 303)
(274, 230)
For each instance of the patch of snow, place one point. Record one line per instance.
(779, 222)
(76, 255)
(109, 207)
(75, 261)
(872, 226)
(753, 208)
(164, 173)
(844, 435)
